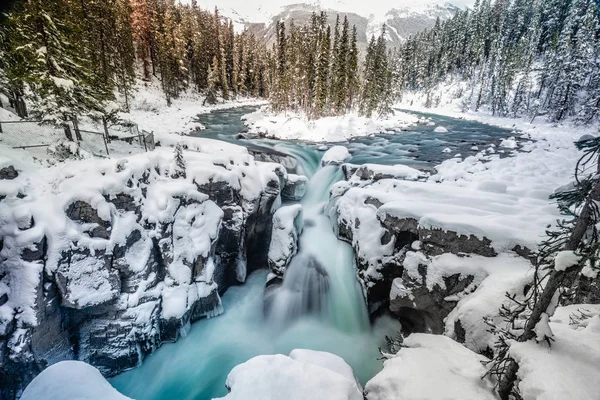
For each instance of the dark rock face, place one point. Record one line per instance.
(8, 173)
(422, 309)
(295, 187)
(435, 241)
(105, 297)
(290, 163)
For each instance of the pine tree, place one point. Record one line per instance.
(180, 164)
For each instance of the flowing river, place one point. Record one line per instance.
(322, 274)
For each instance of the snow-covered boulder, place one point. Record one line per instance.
(431, 367)
(510, 275)
(336, 155)
(440, 129)
(71, 380)
(376, 172)
(304, 375)
(287, 227)
(295, 187)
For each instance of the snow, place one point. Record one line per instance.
(565, 259)
(291, 126)
(431, 367)
(505, 274)
(441, 129)
(304, 375)
(335, 156)
(287, 227)
(71, 380)
(568, 369)
(150, 111)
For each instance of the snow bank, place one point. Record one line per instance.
(71, 380)
(431, 367)
(304, 375)
(150, 111)
(328, 129)
(567, 370)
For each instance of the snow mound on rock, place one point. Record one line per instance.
(304, 375)
(431, 367)
(441, 129)
(335, 156)
(71, 380)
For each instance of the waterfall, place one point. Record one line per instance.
(321, 279)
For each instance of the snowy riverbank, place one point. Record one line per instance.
(150, 111)
(293, 126)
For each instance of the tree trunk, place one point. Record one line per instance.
(68, 133)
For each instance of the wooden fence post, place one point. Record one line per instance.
(76, 126)
(105, 137)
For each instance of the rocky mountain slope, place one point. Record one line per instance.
(401, 20)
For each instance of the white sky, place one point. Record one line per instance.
(261, 11)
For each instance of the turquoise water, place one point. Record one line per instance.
(196, 367)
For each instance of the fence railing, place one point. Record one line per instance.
(33, 134)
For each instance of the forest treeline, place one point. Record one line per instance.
(70, 57)
(518, 57)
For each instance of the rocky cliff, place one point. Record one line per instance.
(103, 261)
(422, 247)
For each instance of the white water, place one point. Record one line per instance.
(321, 279)
(319, 306)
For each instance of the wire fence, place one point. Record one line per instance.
(116, 139)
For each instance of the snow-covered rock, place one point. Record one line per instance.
(375, 172)
(71, 380)
(336, 155)
(287, 227)
(304, 375)
(431, 367)
(114, 257)
(335, 129)
(295, 187)
(440, 129)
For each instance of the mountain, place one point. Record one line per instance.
(402, 21)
